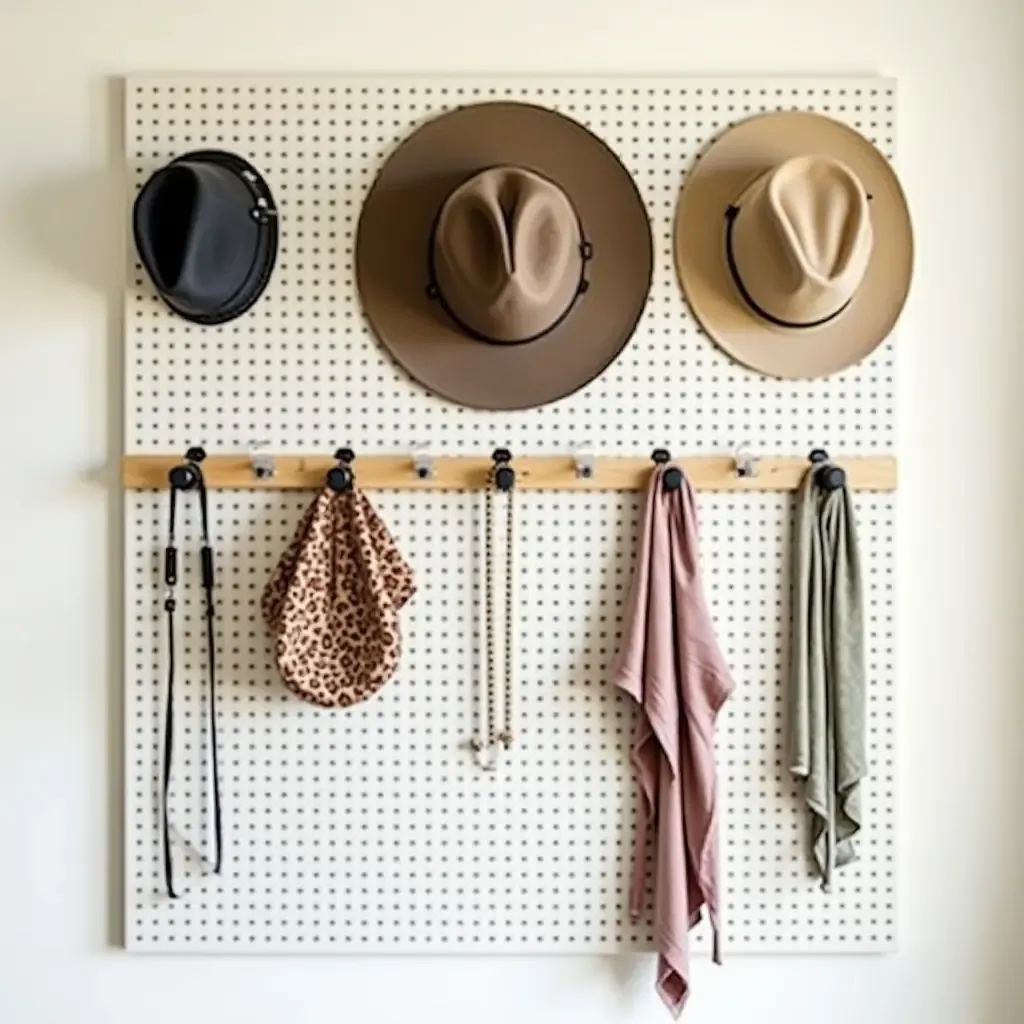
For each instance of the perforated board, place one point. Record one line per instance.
(370, 829)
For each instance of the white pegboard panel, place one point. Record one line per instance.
(370, 829)
(302, 370)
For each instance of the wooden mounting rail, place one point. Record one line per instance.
(533, 472)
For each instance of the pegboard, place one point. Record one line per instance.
(371, 829)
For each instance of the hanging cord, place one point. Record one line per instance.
(492, 740)
(206, 555)
(189, 477)
(170, 579)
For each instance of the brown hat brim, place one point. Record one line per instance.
(394, 235)
(741, 155)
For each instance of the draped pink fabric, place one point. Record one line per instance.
(671, 665)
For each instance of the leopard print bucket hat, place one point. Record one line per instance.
(332, 603)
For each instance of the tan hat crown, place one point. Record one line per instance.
(507, 255)
(799, 241)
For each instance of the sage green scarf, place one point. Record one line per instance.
(827, 684)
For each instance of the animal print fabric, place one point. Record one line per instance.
(332, 602)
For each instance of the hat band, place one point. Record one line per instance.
(434, 292)
(731, 213)
(434, 288)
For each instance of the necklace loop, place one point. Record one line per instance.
(491, 741)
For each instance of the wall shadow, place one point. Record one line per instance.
(74, 223)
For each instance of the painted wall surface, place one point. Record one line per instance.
(62, 247)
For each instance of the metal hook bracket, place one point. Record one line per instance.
(746, 462)
(585, 464)
(422, 462)
(263, 465)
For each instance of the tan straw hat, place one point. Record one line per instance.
(793, 245)
(503, 256)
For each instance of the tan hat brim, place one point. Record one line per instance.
(394, 234)
(741, 155)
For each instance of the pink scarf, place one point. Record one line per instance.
(671, 665)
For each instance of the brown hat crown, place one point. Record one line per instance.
(507, 255)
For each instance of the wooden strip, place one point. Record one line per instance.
(533, 472)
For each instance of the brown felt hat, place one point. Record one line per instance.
(793, 245)
(503, 256)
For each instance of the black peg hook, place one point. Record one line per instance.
(827, 477)
(340, 478)
(830, 478)
(503, 475)
(672, 478)
(185, 476)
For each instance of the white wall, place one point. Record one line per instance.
(962, 692)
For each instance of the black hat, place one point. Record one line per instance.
(206, 230)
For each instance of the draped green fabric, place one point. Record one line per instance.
(828, 680)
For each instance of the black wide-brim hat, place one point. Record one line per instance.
(205, 228)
